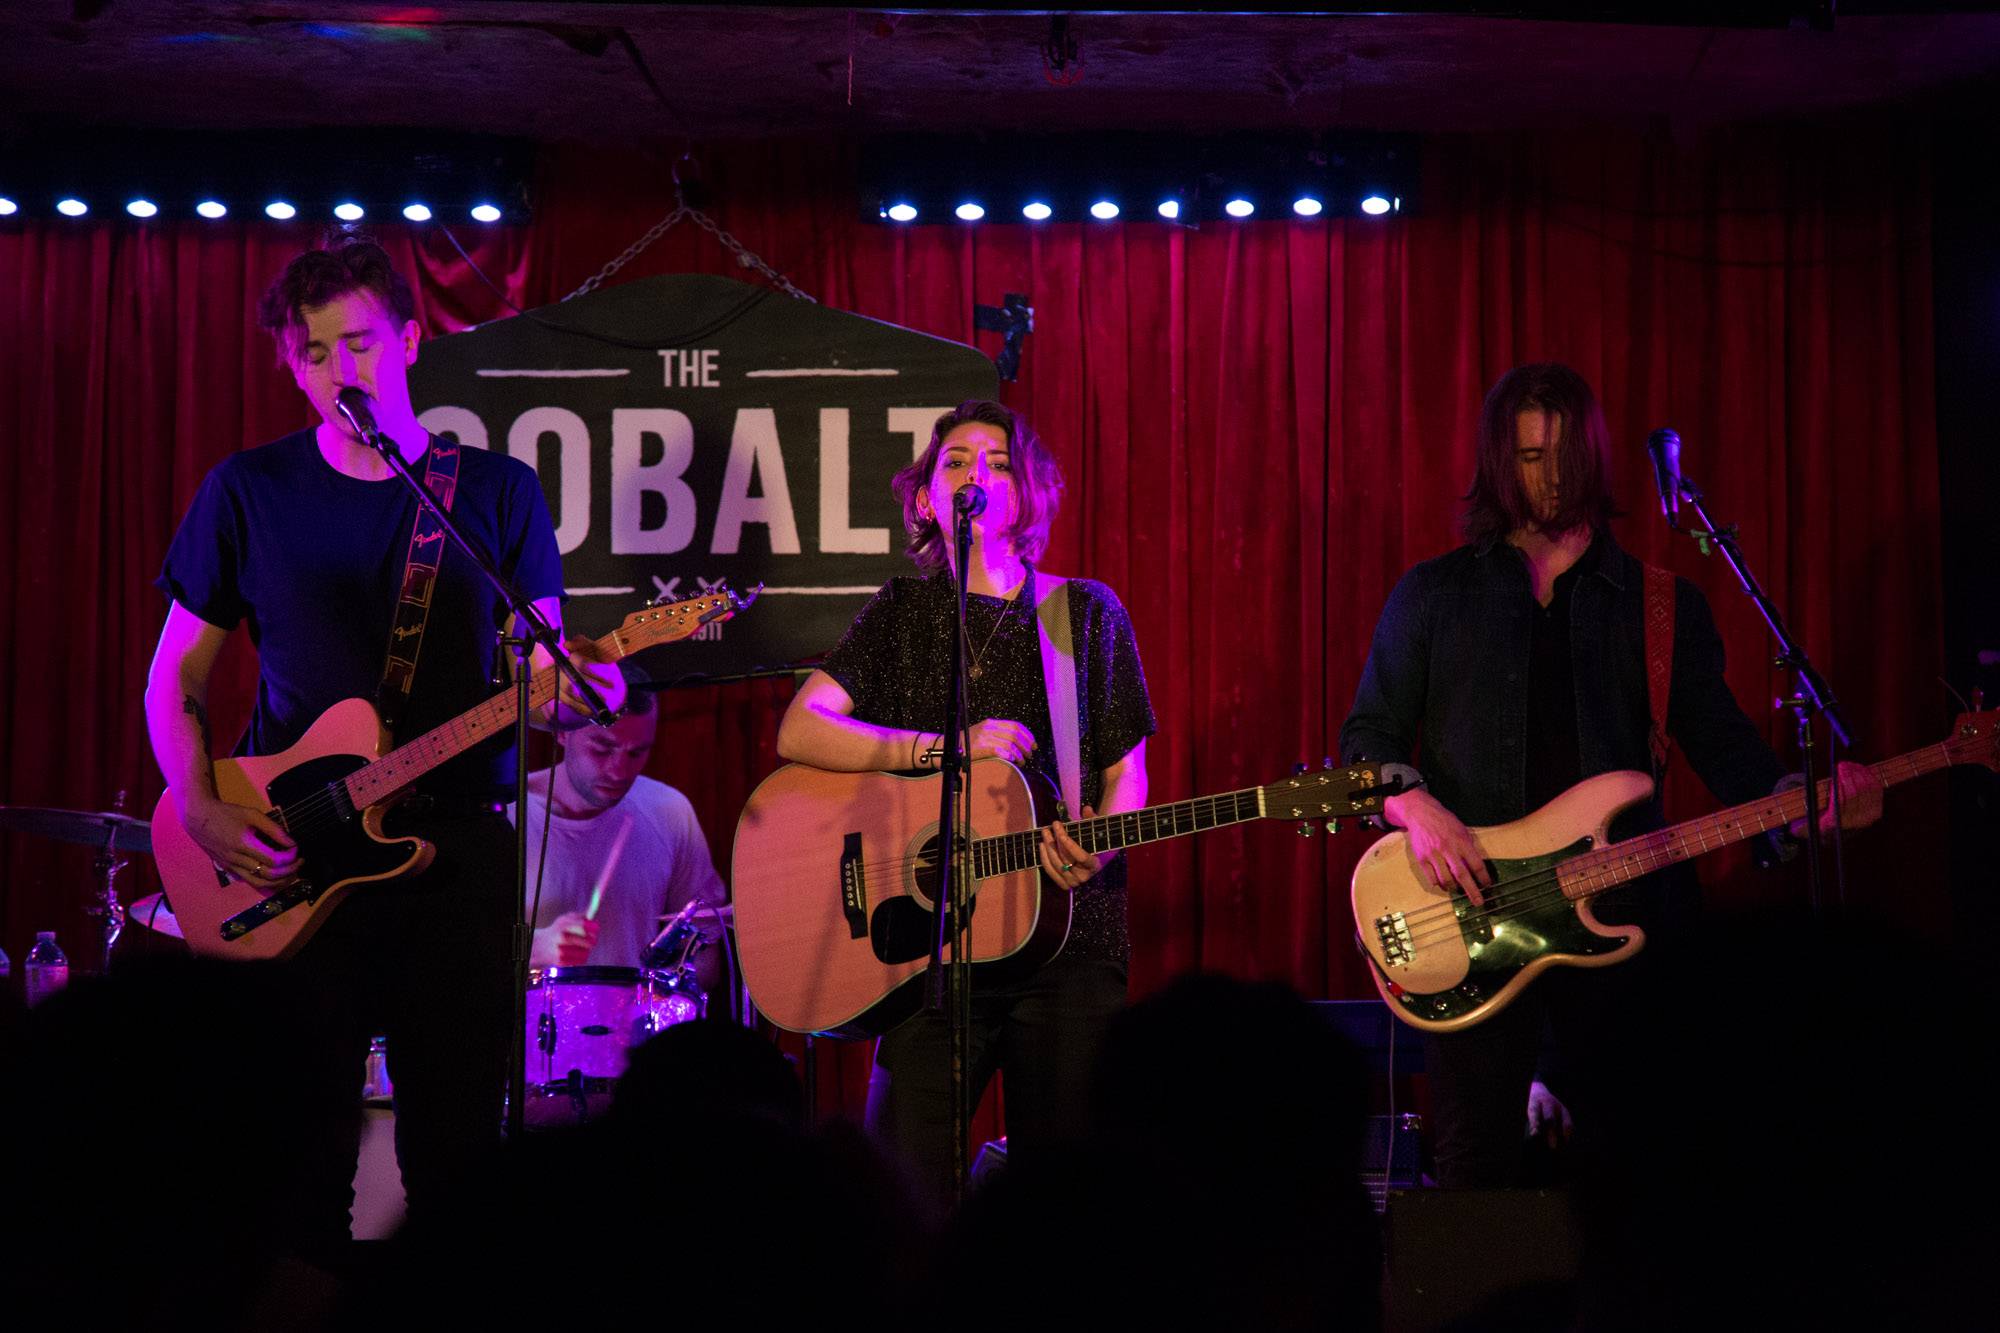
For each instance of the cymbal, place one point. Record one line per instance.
(93, 828)
(153, 913)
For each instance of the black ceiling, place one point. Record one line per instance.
(649, 71)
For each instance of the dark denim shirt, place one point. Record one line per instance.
(1448, 666)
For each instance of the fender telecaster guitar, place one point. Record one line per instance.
(331, 790)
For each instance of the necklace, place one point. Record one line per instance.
(1006, 609)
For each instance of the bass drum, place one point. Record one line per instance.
(581, 1022)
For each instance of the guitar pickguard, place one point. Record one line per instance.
(902, 929)
(1527, 918)
(333, 844)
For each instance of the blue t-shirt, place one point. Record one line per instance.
(311, 559)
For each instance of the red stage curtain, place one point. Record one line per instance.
(1262, 424)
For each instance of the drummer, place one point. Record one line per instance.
(624, 850)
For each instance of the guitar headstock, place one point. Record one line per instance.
(1975, 739)
(665, 622)
(1330, 793)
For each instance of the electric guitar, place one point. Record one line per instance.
(1443, 963)
(835, 878)
(331, 790)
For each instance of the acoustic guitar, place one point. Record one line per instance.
(835, 877)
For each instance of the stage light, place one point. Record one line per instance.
(8, 207)
(1374, 205)
(72, 208)
(1104, 210)
(1037, 211)
(1306, 206)
(349, 212)
(485, 213)
(1170, 209)
(417, 212)
(280, 211)
(1239, 208)
(902, 213)
(212, 209)
(969, 212)
(142, 208)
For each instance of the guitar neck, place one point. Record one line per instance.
(1317, 795)
(1619, 863)
(403, 765)
(394, 772)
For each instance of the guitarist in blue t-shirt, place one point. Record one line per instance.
(308, 542)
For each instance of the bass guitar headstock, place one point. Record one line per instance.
(1975, 737)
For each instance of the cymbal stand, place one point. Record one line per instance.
(103, 901)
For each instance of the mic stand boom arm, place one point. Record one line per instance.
(1810, 693)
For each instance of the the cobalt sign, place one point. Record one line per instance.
(690, 430)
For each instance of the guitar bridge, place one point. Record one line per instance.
(853, 888)
(1392, 932)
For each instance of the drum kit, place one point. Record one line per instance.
(582, 1021)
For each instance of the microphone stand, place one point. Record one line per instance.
(948, 989)
(533, 629)
(1810, 695)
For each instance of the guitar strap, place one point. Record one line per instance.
(1659, 661)
(413, 606)
(1059, 676)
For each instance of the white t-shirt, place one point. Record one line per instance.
(665, 862)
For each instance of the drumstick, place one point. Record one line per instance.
(604, 875)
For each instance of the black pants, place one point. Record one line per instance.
(428, 962)
(1044, 1033)
(1592, 1033)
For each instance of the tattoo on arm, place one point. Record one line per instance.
(193, 708)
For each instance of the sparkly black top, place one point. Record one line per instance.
(892, 663)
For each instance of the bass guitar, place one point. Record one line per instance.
(835, 876)
(331, 790)
(1443, 963)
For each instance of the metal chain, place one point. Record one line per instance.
(743, 254)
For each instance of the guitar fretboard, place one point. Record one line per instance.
(1594, 872)
(395, 771)
(1315, 795)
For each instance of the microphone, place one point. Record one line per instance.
(674, 923)
(1663, 446)
(353, 404)
(969, 500)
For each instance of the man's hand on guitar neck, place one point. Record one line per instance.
(1440, 844)
(570, 710)
(246, 843)
(1860, 801)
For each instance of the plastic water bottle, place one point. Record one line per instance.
(47, 969)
